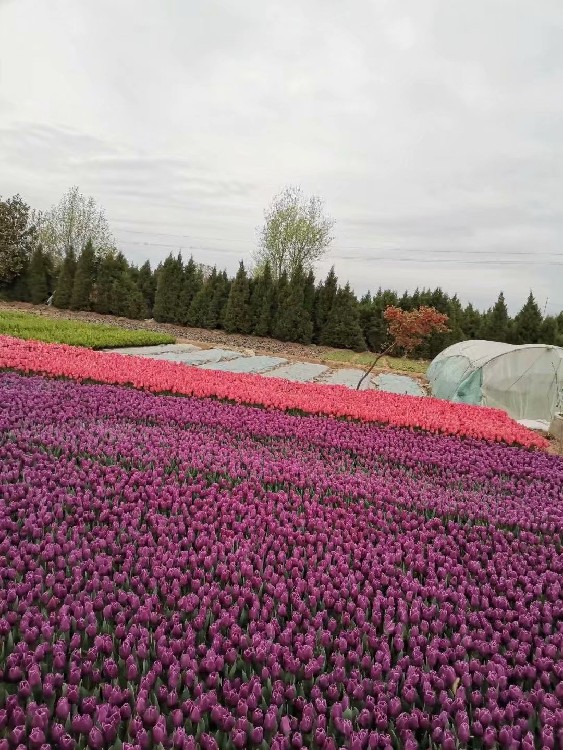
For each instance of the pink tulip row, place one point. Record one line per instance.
(428, 414)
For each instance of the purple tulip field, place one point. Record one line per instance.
(186, 573)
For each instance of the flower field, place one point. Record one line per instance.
(194, 574)
(75, 332)
(429, 414)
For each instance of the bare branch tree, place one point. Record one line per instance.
(296, 232)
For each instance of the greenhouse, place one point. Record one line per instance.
(525, 381)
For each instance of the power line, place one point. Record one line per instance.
(341, 247)
(371, 258)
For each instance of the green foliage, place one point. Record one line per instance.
(168, 289)
(216, 312)
(238, 313)
(198, 314)
(65, 282)
(192, 282)
(74, 221)
(38, 277)
(296, 232)
(17, 238)
(372, 321)
(116, 291)
(262, 301)
(342, 328)
(76, 333)
(324, 301)
(527, 325)
(472, 322)
(496, 323)
(293, 321)
(549, 332)
(146, 281)
(84, 278)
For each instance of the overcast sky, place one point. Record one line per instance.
(433, 129)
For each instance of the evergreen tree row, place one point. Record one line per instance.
(294, 308)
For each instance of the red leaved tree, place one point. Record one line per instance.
(407, 329)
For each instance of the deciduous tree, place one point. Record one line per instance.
(72, 222)
(17, 238)
(407, 329)
(296, 232)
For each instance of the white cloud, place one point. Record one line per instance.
(433, 130)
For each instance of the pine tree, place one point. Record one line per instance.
(103, 288)
(65, 282)
(199, 312)
(293, 322)
(18, 288)
(527, 324)
(365, 306)
(375, 328)
(472, 322)
(218, 303)
(238, 314)
(84, 279)
(262, 300)
(37, 279)
(309, 293)
(324, 300)
(147, 286)
(342, 328)
(126, 298)
(496, 323)
(191, 284)
(280, 294)
(168, 289)
(549, 333)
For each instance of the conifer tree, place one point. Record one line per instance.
(293, 322)
(496, 323)
(84, 278)
(37, 278)
(549, 333)
(65, 282)
(364, 311)
(281, 286)
(472, 323)
(191, 284)
(18, 289)
(198, 314)
(126, 298)
(103, 288)
(324, 300)
(238, 314)
(526, 328)
(217, 305)
(309, 293)
(262, 300)
(375, 327)
(342, 328)
(168, 289)
(147, 286)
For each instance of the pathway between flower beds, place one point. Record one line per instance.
(299, 372)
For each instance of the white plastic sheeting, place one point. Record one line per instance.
(525, 381)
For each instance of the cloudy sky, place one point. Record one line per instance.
(432, 129)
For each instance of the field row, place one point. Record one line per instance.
(75, 332)
(193, 574)
(427, 414)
